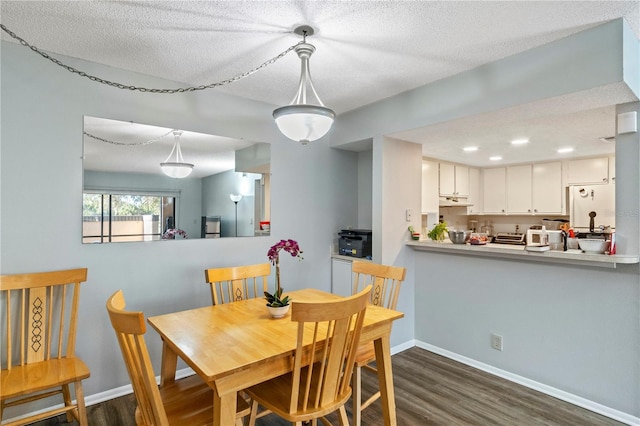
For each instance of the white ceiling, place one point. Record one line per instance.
(366, 51)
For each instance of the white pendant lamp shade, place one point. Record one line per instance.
(303, 121)
(174, 166)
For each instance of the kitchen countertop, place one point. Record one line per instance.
(507, 251)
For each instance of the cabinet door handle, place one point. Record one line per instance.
(535, 210)
(605, 179)
(502, 210)
(529, 210)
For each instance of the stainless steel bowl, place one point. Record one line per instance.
(459, 237)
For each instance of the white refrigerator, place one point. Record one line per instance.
(592, 200)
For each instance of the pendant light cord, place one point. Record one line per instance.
(144, 89)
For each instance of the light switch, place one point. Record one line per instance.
(408, 214)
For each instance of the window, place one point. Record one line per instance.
(117, 217)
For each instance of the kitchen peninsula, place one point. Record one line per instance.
(501, 251)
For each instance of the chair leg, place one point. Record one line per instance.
(66, 397)
(356, 396)
(82, 409)
(344, 420)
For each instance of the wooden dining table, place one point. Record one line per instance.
(237, 345)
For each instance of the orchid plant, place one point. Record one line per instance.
(291, 246)
(170, 234)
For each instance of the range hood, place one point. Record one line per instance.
(454, 202)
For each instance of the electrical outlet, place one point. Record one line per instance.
(496, 342)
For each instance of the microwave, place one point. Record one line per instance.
(536, 237)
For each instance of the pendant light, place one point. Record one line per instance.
(303, 121)
(176, 167)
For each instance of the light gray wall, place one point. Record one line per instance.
(41, 175)
(573, 328)
(365, 188)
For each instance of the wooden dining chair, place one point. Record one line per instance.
(327, 339)
(237, 282)
(386, 282)
(41, 318)
(188, 401)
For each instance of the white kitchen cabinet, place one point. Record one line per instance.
(494, 190)
(475, 191)
(462, 181)
(588, 171)
(447, 183)
(546, 189)
(518, 190)
(531, 189)
(429, 186)
(454, 180)
(341, 277)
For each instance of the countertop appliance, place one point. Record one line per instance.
(592, 206)
(554, 239)
(508, 238)
(355, 242)
(210, 227)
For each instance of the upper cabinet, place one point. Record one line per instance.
(429, 186)
(525, 189)
(475, 192)
(588, 171)
(546, 188)
(518, 186)
(454, 180)
(494, 190)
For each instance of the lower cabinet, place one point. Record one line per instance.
(341, 277)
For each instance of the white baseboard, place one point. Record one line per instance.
(403, 347)
(540, 387)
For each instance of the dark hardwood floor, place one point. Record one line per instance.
(430, 390)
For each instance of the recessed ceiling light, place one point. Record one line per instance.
(565, 150)
(495, 158)
(519, 141)
(470, 148)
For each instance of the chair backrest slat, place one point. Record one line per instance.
(236, 283)
(327, 339)
(385, 281)
(41, 321)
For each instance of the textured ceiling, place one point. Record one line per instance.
(366, 50)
